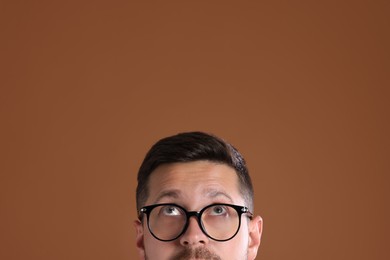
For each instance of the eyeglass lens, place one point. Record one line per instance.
(220, 222)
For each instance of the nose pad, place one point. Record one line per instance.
(194, 234)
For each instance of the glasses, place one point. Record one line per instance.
(220, 222)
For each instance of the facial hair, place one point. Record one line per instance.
(195, 253)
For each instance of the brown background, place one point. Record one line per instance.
(300, 87)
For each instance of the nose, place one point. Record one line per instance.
(193, 235)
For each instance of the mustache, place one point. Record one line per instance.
(195, 253)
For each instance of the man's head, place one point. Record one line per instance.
(207, 177)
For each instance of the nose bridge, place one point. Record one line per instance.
(196, 215)
(194, 233)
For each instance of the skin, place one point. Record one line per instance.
(194, 185)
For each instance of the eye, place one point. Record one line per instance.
(218, 210)
(170, 210)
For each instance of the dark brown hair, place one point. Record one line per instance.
(189, 147)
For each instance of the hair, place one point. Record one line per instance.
(190, 147)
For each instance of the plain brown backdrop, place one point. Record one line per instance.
(300, 87)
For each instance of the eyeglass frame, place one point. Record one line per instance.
(198, 216)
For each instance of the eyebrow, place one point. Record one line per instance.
(175, 194)
(213, 193)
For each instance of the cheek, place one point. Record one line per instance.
(241, 240)
(155, 249)
(235, 248)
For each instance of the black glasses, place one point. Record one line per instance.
(220, 222)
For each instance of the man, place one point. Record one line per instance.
(195, 201)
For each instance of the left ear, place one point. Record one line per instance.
(255, 230)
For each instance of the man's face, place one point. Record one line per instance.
(195, 185)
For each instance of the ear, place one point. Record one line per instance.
(255, 230)
(139, 239)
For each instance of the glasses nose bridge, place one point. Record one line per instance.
(197, 215)
(194, 214)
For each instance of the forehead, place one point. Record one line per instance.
(193, 181)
